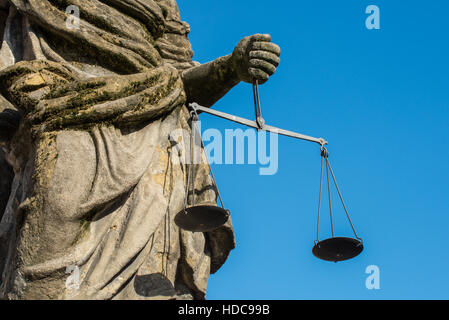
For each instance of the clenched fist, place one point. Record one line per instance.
(256, 58)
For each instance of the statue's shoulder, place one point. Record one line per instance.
(174, 45)
(170, 9)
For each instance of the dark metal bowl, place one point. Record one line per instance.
(338, 249)
(202, 218)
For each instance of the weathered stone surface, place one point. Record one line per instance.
(6, 174)
(86, 120)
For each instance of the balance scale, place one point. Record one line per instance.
(200, 218)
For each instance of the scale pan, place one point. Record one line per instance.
(202, 218)
(338, 249)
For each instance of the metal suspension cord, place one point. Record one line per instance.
(342, 201)
(167, 226)
(329, 192)
(216, 186)
(325, 157)
(319, 202)
(194, 129)
(193, 118)
(256, 106)
(259, 119)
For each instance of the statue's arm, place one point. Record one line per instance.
(254, 58)
(208, 83)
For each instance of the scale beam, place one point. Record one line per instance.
(254, 124)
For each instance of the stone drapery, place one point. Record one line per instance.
(96, 184)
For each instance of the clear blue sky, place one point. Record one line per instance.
(381, 98)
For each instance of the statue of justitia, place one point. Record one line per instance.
(89, 188)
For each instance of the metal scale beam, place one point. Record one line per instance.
(256, 125)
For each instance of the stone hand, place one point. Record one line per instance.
(256, 58)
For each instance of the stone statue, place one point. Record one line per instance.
(88, 188)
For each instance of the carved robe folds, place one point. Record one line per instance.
(96, 186)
